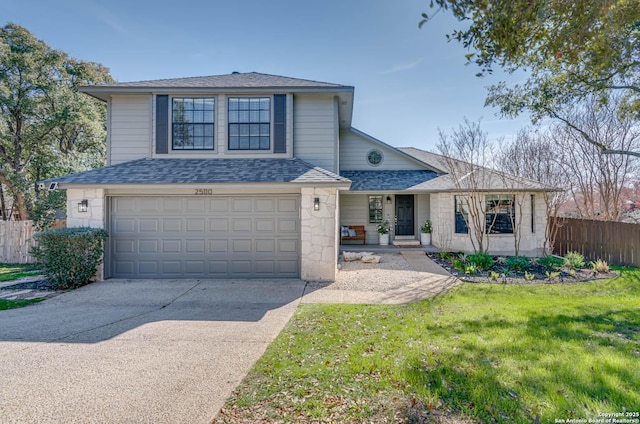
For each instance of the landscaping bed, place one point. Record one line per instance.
(484, 268)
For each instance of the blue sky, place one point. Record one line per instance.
(409, 82)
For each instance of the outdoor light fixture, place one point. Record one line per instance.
(388, 200)
(83, 206)
(316, 204)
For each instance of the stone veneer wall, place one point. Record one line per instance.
(319, 234)
(93, 217)
(445, 238)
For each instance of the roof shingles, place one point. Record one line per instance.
(181, 171)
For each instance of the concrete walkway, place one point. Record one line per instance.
(137, 351)
(435, 281)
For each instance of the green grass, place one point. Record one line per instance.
(489, 352)
(9, 272)
(11, 304)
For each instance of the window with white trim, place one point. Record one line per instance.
(192, 123)
(249, 123)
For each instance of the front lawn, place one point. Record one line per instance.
(483, 352)
(11, 304)
(9, 272)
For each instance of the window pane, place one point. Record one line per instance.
(233, 116)
(254, 143)
(243, 104)
(234, 143)
(264, 129)
(244, 143)
(264, 143)
(254, 130)
(233, 104)
(234, 130)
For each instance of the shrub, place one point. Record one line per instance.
(517, 263)
(69, 256)
(494, 275)
(600, 266)
(574, 260)
(551, 263)
(481, 260)
(529, 276)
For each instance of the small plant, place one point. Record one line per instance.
(552, 275)
(551, 263)
(426, 227)
(600, 266)
(481, 260)
(458, 264)
(445, 256)
(572, 272)
(574, 260)
(494, 275)
(384, 227)
(529, 276)
(470, 269)
(517, 263)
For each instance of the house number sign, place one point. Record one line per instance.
(203, 191)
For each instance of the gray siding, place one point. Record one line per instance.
(354, 149)
(315, 130)
(129, 128)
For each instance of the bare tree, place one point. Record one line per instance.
(467, 153)
(596, 179)
(533, 155)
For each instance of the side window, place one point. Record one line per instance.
(461, 215)
(375, 209)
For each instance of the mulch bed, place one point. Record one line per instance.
(516, 277)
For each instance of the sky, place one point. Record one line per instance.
(409, 83)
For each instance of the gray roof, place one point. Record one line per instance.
(234, 80)
(491, 179)
(387, 180)
(185, 171)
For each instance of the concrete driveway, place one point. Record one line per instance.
(137, 351)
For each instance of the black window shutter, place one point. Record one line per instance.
(162, 124)
(280, 123)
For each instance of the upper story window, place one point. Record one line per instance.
(192, 123)
(249, 123)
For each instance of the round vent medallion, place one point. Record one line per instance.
(374, 157)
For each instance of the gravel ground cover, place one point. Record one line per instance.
(392, 272)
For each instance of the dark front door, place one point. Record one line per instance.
(404, 215)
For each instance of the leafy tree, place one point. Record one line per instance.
(46, 126)
(569, 50)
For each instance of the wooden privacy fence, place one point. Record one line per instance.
(618, 243)
(16, 238)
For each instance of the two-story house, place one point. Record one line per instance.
(249, 175)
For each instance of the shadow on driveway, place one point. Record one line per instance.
(132, 351)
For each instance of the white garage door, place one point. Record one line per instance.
(204, 236)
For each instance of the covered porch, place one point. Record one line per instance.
(405, 211)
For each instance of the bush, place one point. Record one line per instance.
(551, 263)
(574, 260)
(517, 263)
(481, 260)
(69, 256)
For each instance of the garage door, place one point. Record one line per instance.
(205, 236)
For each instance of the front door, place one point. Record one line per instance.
(404, 215)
